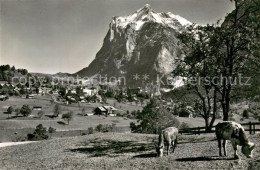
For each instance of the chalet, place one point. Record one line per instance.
(89, 114)
(71, 99)
(94, 89)
(55, 92)
(37, 107)
(29, 96)
(105, 110)
(100, 111)
(88, 92)
(73, 91)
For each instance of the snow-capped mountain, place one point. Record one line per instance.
(142, 43)
(146, 14)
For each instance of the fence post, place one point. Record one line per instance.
(250, 127)
(198, 130)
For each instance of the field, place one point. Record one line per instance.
(124, 151)
(17, 127)
(78, 122)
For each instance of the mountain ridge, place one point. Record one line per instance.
(141, 43)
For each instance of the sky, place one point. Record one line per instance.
(50, 36)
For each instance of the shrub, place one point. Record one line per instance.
(99, 127)
(103, 128)
(245, 114)
(25, 110)
(51, 131)
(90, 130)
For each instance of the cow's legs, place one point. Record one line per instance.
(235, 150)
(219, 147)
(224, 147)
(168, 148)
(173, 146)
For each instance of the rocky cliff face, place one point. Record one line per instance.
(142, 43)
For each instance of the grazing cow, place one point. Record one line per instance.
(234, 132)
(168, 136)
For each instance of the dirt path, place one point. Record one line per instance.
(5, 144)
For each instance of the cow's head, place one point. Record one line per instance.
(248, 149)
(159, 151)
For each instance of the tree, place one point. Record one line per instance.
(56, 110)
(197, 68)
(10, 110)
(51, 131)
(25, 110)
(227, 52)
(153, 118)
(238, 48)
(13, 68)
(40, 132)
(62, 91)
(68, 116)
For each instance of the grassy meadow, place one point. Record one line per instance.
(124, 151)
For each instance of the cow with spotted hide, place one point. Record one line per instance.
(234, 132)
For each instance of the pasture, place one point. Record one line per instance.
(78, 122)
(124, 151)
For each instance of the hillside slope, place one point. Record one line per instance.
(123, 151)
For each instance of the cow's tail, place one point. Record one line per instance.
(161, 140)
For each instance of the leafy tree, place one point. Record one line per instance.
(22, 91)
(56, 110)
(153, 118)
(10, 110)
(51, 131)
(25, 110)
(237, 47)
(68, 116)
(223, 54)
(62, 91)
(197, 68)
(13, 68)
(40, 132)
(79, 91)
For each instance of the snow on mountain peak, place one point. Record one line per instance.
(147, 14)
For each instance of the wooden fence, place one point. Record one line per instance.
(250, 126)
